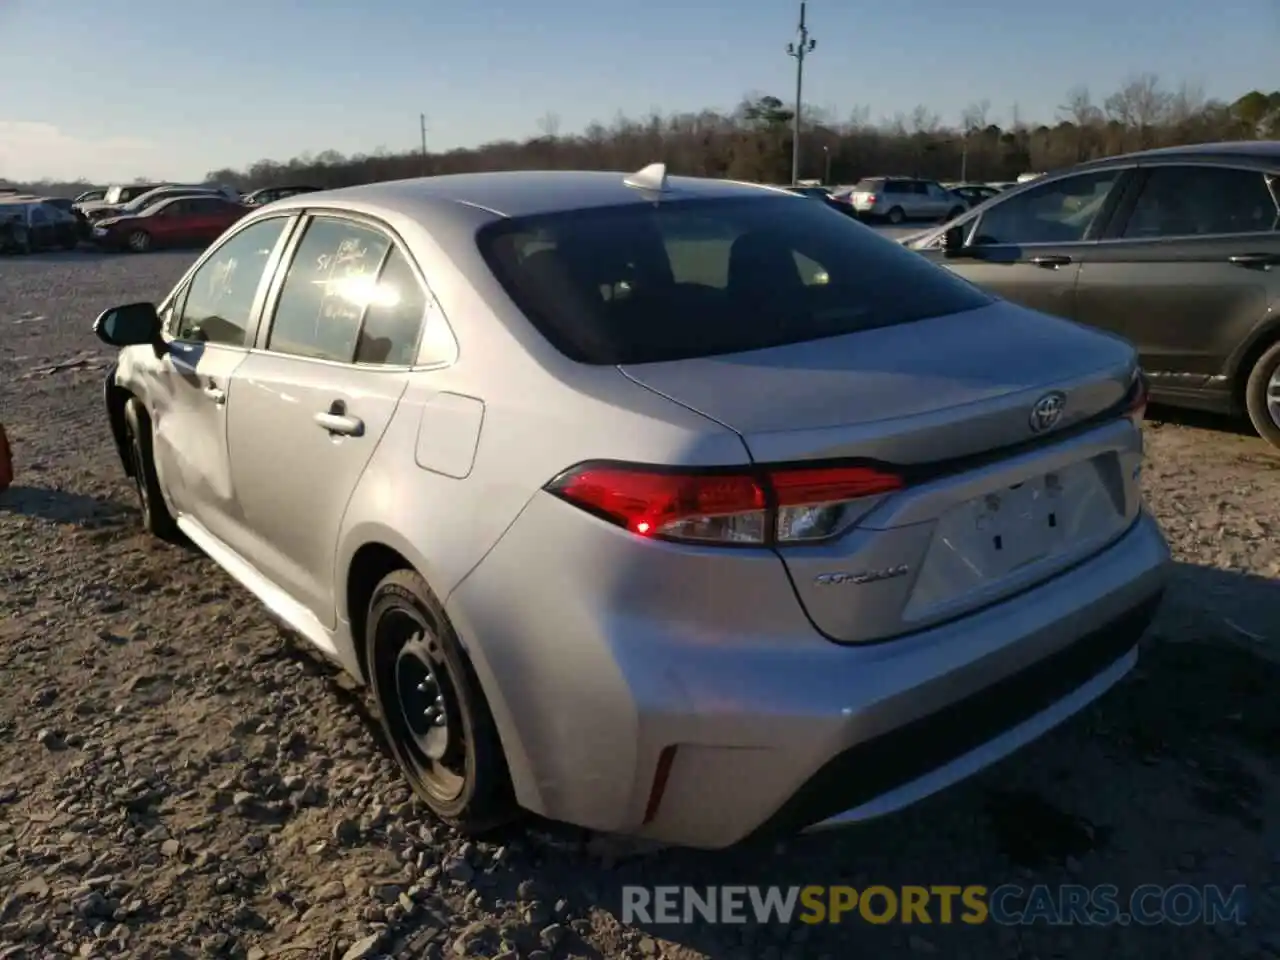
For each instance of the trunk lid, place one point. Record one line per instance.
(1000, 515)
(898, 393)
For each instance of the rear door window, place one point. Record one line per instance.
(644, 283)
(332, 278)
(1188, 201)
(394, 315)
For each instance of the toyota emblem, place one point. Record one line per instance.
(1047, 411)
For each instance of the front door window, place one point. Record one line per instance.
(1057, 212)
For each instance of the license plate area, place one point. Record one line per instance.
(1018, 525)
(1012, 536)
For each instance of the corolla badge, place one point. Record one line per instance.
(864, 576)
(1047, 411)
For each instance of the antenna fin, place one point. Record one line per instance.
(653, 177)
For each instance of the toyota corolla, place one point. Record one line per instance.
(664, 506)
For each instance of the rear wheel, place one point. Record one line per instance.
(139, 241)
(156, 518)
(1262, 395)
(897, 215)
(432, 708)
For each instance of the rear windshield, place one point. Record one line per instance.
(644, 283)
(869, 184)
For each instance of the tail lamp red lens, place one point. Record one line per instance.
(727, 506)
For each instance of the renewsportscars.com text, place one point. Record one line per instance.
(1007, 904)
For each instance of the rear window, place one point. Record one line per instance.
(869, 185)
(644, 283)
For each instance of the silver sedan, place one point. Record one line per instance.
(664, 506)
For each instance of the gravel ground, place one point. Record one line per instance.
(177, 778)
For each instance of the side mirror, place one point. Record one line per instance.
(131, 325)
(953, 241)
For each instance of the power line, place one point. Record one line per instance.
(799, 50)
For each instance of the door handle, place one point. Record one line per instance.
(339, 423)
(1050, 263)
(215, 394)
(1263, 260)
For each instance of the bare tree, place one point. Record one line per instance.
(1186, 103)
(1140, 105)
(974, 116)
(859, 117)
(924, 121)
(1080, 108)
(549, 125)
(1084, 115)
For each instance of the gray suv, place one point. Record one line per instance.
(898, 199)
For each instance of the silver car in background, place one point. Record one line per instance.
(661, 506)
(899, 199)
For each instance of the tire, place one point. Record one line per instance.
(433, 712)
(896, 216)
(1262, 395)
(139, 241)
(156, 518)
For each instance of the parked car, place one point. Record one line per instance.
(116, 195)
(151, 197)
(62, 203)
(974, 193)
(1174, 249)
(699, 519)
(129, 207)
(898, 199)
(265, 195)
(175, 222)
(31, 224)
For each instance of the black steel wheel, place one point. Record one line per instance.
(432, 708)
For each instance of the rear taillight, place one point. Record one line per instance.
(1135, 402)
(870, 198)
(744, 506)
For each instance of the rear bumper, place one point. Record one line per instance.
(772, 728)
(889, 772)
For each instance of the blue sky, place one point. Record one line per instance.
(114, 89)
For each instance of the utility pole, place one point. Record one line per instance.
(422, 123)
(799, 50)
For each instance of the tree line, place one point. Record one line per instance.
(753, 142)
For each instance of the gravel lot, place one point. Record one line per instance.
(177, 778)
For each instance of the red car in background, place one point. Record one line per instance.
(194, 221)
